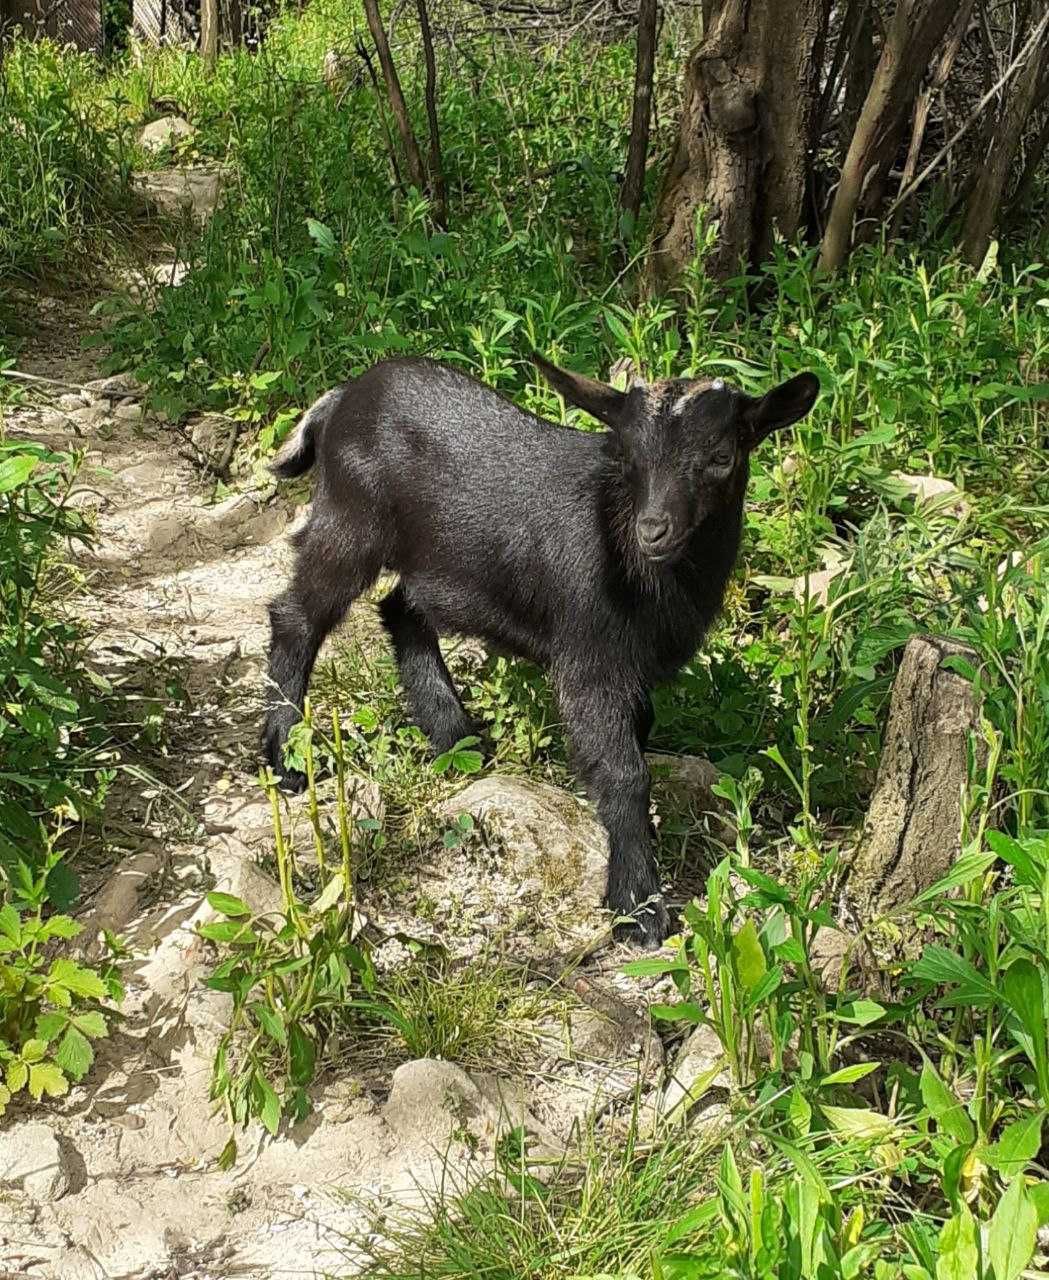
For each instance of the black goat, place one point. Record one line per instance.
(603, 556)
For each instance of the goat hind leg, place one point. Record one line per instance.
(435, 705)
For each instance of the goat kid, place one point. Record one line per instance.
(603, 556)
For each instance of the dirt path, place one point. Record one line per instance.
(176, 592)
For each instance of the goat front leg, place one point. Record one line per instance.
(606, 726)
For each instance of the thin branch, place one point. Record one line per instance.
(1007, 75)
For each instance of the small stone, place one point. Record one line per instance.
(827, 953)
(89, 415)
(71, 400)
(128, 412)
(30, 1157)
(210, 435)
(166, 132)
(699, 1066)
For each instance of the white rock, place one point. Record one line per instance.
(166, 132)
(547, 833)
(89, 415)
(699, 1066)
(933, 489)
(194, 190)
(31, 1158)
(72, 400)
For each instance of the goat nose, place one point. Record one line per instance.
(652, 530)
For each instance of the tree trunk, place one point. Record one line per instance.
(912, 834)
(637, 151)
(437, 188)
(916, 29)
(742, 142)
(923, 105)
(1025, 187)
(209, 32)
(982, 209)
(398, 106)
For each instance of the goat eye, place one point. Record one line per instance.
(723, 458)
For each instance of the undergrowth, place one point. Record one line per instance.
(870, 1133)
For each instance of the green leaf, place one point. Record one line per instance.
(72, 977)
(269, 1021)
(858, 1122)
(945, 1108)
(74, 1054)
(92, 1024)
(33, 1050)
(228, 1155)
(10, 925)
(49, 1025)
(15, 471)
(967, 868)
(270, 1106)
(1017, 1147)
(333, 891)
(17, 1074)
(749, 955)
(45, 1077)
(653, 968)
(943, 967)
(860, 1012)
(849, 1075)
(302, 1056)
(226, 904)
(684, 1012)
(1012, 1232)
(958, 1252)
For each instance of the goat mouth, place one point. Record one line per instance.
(662, 554)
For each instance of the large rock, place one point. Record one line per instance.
(32, 1159)
(435, 1106)
(166, 132)
(548, 834)
(194, 191)
(686, 784)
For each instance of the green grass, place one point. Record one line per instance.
(902, 1139)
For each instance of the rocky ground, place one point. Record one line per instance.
(119, 1179)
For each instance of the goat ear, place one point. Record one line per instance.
(603, 402)
(781, 406)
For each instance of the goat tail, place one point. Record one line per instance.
(299, 451)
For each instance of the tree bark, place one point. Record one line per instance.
(209, 32)
(981, 212)
(437, 187)
(916, 29)
(637, 150)
(742, 142)
(1024, 188)
(923, 105)
(912, 834)
(398, 106)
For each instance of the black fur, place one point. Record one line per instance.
(602, 556)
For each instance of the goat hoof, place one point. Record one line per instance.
(292, 781)
(648, 927)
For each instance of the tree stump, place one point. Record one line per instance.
(912, 833)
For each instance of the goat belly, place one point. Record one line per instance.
(506, 616)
